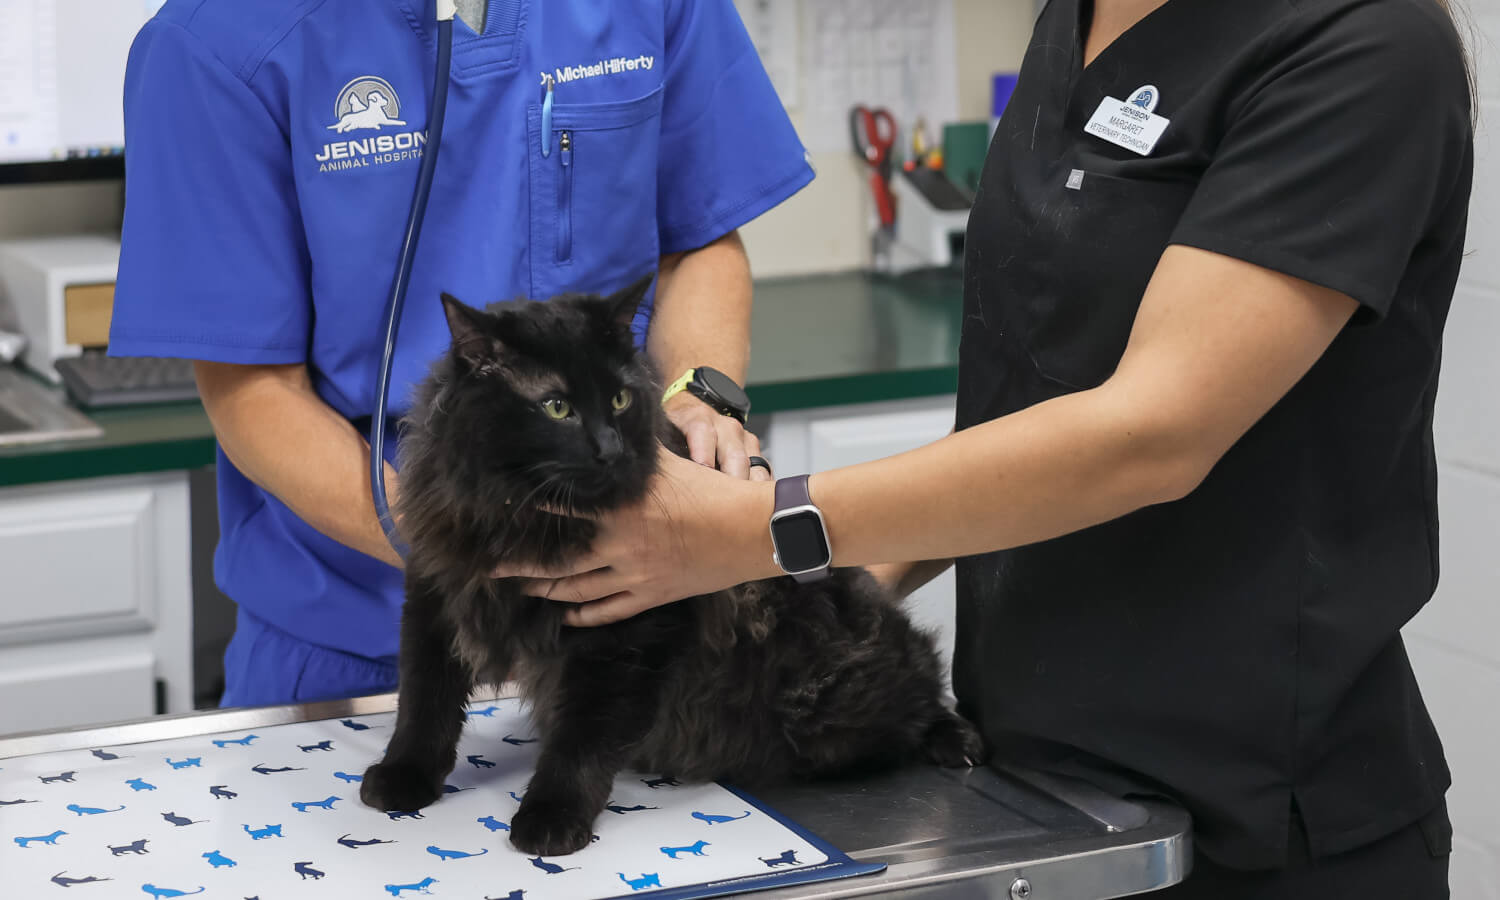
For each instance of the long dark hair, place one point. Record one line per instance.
(1463, 25)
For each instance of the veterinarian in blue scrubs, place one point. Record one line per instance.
(273, 151)
(1192, 488)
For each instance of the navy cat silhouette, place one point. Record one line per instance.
(395, 814)
(665, 780)
(326, 803)
(66, 777)
(695, 848)
(710, 819)
(49, 839)
(516, 742)
(622, 810)
(479, 762)
(423, 885)
(640, 884)
(550, 868)
(262, 833)
(306, 870)
(320, 745)
(352, 844)
(180, 821)
(516, 894)
(104, 755)
(14, 802)
(243, 742)
(357, 726)
(453, 789)
(219, 860)
(787, 858)
(446, 855)
(263, 769)
(514, 796)
(488, 712)
(61, 880)
(190, 762)
(347, 778)
(139, 784)
(221, 792)
(90, 810)
(136, 847)
(163, 893)
(492, 823)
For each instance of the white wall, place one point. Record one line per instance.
(1455, 642)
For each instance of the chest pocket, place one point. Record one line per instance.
(593, 195)
(1078, 319)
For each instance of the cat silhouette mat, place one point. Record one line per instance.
(274, 813)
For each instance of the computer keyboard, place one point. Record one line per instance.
(94, 379)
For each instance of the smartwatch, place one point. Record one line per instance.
(716, 389)
(798, 533)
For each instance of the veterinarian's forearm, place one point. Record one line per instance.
(702, 313)
(281, 435)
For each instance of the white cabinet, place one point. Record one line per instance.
(812, 440)
(95, 601)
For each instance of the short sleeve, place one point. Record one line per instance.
(728, 150)
(1342, 156)
(212, 261)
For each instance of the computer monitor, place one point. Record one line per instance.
(62, 73)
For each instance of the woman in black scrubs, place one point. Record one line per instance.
(1192, 485)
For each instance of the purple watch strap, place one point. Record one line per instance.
(792, 492)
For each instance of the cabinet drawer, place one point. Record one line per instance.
(78, 560)
(76, 688)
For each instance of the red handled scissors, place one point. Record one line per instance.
(874, 133)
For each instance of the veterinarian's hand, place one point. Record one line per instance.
(696, 532)
(714, 438)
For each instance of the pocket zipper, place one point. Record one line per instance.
(565, 197)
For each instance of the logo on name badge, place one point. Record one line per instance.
(1145, 97)
(369, 103)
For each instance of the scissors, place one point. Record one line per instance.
(874, 133)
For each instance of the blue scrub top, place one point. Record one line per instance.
(273, 149)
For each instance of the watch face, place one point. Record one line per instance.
(800, 543)
(724, 386)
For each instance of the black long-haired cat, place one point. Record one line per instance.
(549, 406)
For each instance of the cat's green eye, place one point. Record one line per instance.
(556, 409)
(621, 401)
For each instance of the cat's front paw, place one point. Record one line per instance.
(953, 743)
(394, 786)
(550, 829)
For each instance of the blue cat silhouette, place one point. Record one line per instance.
(446, 855)
(695, 848)
(139, 784)
(550, 868)
(219, 860)
(357, 726)
(61, 879)
(189, 763)
(516, 742)
(640, 884)
(90, 810)
(263, 769)
(221, 792)
(515, 796)
(306, 870)
(243, 742)
(622, 810)
(302, 806)
(352, 844)
(492, 823)
(181, 821)
(104, 755)
(787, 858)
(488, 712)
(163, 893)
(710, 819)
(262, 833)
(49, 839)
(347, 778)
(479, 762)
(395, 814)
(320, 745)
(423, 885)
(65, 777)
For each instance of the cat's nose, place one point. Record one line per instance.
(607, 445)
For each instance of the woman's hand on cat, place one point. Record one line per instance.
(714, 438)
(656, 551)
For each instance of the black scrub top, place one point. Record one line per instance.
(1237, 650)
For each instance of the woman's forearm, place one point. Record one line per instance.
(281, 435)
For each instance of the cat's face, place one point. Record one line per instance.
(554, 397)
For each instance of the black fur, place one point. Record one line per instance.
(762, 683)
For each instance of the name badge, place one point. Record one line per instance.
(1129, 123)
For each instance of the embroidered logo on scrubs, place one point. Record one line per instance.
(593, 69)
(369, 103)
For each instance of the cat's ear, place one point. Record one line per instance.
(624, 304)
(470, 340)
